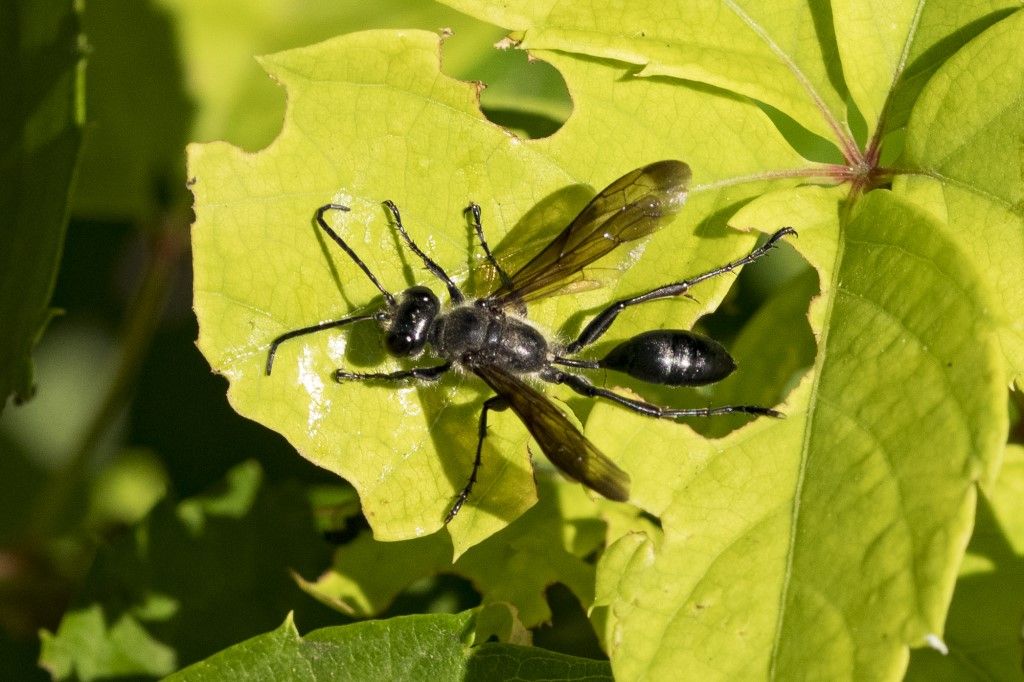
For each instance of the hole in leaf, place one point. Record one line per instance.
(763, 322)
(528, 97)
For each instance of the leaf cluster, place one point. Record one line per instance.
(875, 532)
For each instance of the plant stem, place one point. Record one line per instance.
(823, 172)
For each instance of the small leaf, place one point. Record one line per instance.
(501, 621)
(76, 652)
(408, 648)
(548, 544)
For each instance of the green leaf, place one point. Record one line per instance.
(432, 647)
(40, 133)
(967, 167)
(194, 577)
(763, 529)
(767, 53)
(983, 631)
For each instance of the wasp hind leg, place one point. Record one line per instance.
(497, 404)
(583, 386)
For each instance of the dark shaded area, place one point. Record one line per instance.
(443, 593)
(569, 632)
(1016, 416)
(19, 657)
(811, 146)
(508, 661)
(347, 531)
(181, 411)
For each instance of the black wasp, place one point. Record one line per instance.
(491, 337)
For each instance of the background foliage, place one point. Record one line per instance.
(145, 526)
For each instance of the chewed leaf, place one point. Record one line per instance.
(289, 276)
(370, 119)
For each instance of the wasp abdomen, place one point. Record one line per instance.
(673, 357)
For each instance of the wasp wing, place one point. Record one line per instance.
(633, 206)
(560, 440)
